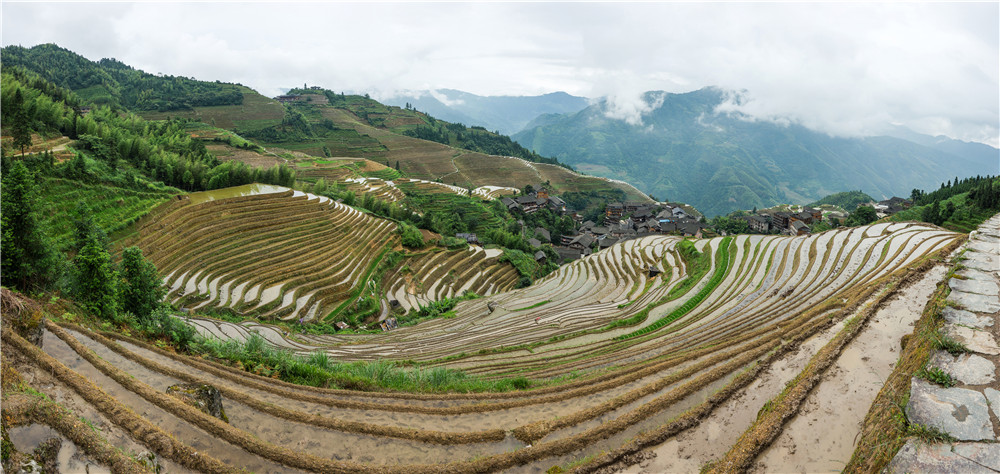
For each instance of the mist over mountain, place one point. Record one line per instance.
(507, 114)
(685, 149)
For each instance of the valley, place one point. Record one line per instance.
(201, 278)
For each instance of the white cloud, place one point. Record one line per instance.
(846, 69)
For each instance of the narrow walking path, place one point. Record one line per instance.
(970, 410)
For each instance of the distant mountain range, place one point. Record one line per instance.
(719, 162)
(506, 114)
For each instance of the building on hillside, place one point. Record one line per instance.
(535, 243)
(468, 237)
(642, 215)
(542, 193)
(781, 220)
(891, 206)
(543, 234)
(607, 242)
(567, 238)
(758, 224)
(511, 204)
(529, 204)
(581, 242)
(614, 210)
(556, 204)
(817, 214)
(284, 99)
(540, 256)
(799, 228)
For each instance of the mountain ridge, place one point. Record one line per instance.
(684, 149)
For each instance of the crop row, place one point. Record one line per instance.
(281, 255)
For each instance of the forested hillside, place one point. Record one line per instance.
(720, 162)
(111, 82)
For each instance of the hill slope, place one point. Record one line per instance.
(507, 114)
(684, 150)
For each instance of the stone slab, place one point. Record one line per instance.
(970, 369)
(985, 246)
(993, 397)
(960, 412)
(972, 458)
(977, 341)
(979, 287)
(966, 318)
(982, 261)
(976, 303)
(973, 274)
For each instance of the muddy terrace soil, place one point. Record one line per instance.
(683, 381)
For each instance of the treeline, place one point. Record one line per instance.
(846, 200)
(949, 189)
(163, 150)
(961, 204)
(113, 83)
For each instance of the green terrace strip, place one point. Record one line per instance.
(722, 256)
(317, 370)
(697, 266)
(534, 305)
(358, 288)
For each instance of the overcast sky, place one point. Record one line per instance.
(846, 69)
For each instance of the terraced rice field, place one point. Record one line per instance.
(446, 274)
(282, 254)
(620, 388)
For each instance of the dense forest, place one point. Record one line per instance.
(113, 83)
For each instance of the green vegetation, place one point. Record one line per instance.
(410, 236)
(960, 205)
(317, 370)
(29, 261)
(697, 266)
(846, 200)
(110, 82)
(936, 375)
(863, 215)
(721, 268)
(540, 303)
(476, 139)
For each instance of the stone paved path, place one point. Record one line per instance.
(969, 411)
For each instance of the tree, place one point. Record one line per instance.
(139, 287)
(96, 280)
(28, 260)
(863, 215)
(19, 128)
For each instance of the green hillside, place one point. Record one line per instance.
(686, 151)
(111, 82)
(846, 200)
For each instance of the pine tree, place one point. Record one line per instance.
(19, 128)
(96, 279)
(28, 260)
(139, 288)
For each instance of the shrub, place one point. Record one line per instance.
(410, 236)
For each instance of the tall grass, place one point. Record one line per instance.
(318, 370)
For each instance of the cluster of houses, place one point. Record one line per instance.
(784, 222)
(891, 206)
(533, 201)
(625, 221)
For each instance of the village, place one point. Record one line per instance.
(628, 220)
